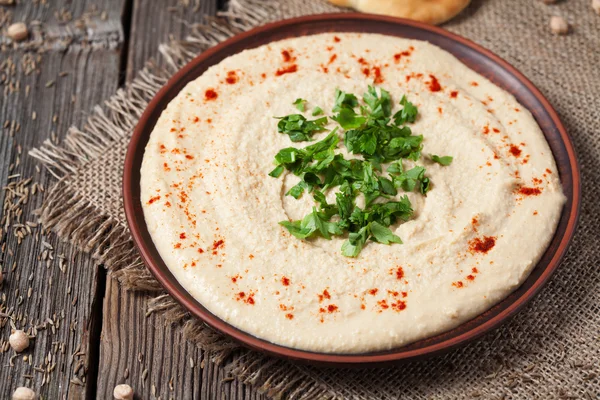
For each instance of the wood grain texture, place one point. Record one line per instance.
(66, 298)
(144, 352)
(55, 89)
(153, 358)
(150, 27)
(63, 24)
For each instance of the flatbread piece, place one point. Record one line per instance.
(428, 11)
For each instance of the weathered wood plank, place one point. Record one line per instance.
(140, 351)
(127, 333)
(53, 293)
(153, 358)
(41, 95)
(58, 25)
(152, 25)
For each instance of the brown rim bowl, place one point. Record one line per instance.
(477, 58)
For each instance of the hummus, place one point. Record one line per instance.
(213, 211)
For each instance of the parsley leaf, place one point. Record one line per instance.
(289, 156)
(277, 171)
(312, 225)
(297, 190)
(344, 200)
(383, 234)
(300, 104)
(408, 113)
(424, 186)
(389, 213)
(395, 168)
(344, 100)
(306, 163)
(408, 180)
(328, 209)
(380, 104)
(348, 118)
(387, 186)
(355, 243)
(317, 111)
(299, 128)
(444, 160)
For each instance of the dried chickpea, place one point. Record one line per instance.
(19, 341)
(559, 26)
(123, 392)
(23, 393)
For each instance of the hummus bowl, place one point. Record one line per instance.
(349, 337)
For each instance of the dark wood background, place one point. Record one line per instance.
(92, 335)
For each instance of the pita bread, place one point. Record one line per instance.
(429, 11)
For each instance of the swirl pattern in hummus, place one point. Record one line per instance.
(213, 211)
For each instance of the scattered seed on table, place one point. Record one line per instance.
(559, 25)
(123, 392)
(77, 381)
(78, 367)
(23, 393)
(18, 31)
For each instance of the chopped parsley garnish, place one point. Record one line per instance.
(445, 160)
(409, 180)
(300, 104)
(371, 131)
(378, 138)
(299, 128)
(408, 113)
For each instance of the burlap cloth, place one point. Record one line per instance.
(550, 350)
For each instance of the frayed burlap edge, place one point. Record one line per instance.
(109, 242)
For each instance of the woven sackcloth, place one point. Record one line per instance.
(550, 350)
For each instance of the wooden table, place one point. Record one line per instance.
(92, 335)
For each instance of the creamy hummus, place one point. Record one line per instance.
(213, 211)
